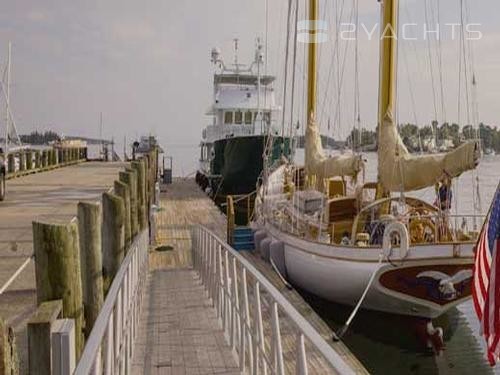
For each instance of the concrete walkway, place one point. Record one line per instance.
(179, 332)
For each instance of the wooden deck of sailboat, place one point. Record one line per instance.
(183, 205)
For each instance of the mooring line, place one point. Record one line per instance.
(16, 274)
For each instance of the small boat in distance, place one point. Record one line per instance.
(244, 119)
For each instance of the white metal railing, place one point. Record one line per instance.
(225, 275)
(109, 348)
(215, 132)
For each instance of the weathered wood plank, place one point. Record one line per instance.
(89, 226)
(184, 204)
(113, 236)
(57, 269)
(39, 331)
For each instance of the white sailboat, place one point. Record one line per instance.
(334, 244)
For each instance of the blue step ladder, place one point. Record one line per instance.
(242, 238)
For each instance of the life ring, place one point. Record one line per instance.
(398, 228)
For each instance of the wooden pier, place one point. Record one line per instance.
(183, 205)
(53, 194)
(156, 308)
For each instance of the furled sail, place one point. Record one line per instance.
(401, 171)
(319, 165)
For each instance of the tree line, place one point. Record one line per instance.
(39, 138)
(431, 137)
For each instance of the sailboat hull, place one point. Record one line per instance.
(420, 285)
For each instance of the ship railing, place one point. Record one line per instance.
(110, 346)
(438, 228)
(253, 313)
(214, 132)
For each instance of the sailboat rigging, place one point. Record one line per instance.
(328, 238)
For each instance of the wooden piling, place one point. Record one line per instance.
(29, 160)
(38, 159)
(122, 190)
(11, 164)
(146, 183)
(39, 337)
(53, 157)
(89, 230)
(9, 360)
(22, 161)
(44, 160)
(57, 270)
(129, 177)
(140, 167)
(113, 236)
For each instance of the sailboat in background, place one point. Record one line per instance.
(11, 140)
(335, 243)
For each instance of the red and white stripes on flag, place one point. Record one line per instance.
(486, 285)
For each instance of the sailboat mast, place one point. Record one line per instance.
(311, 67)
(388, 55)
(7, 101)
(388, 71)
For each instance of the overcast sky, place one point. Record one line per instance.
(145, 64)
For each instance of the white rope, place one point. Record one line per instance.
(16, 274)
(344, 329)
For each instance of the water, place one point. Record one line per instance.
(384, 343)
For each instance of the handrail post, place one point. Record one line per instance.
(276, 348)
(194, 244)
(243, 319)
(202, 259)
(211, 274)
(205, 258)
(246, 331)
(259, 334)
(207, 263)
(215, 284)
(221, 280)
(198, 249)
(301, 364)
(227, 295)
(235, 321)
(117, 338)
(108, 366)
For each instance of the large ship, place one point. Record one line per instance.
(244, 124)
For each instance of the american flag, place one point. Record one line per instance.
(486, 285)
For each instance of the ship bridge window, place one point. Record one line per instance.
(248, 117)
(238, 117)
(228, 117)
